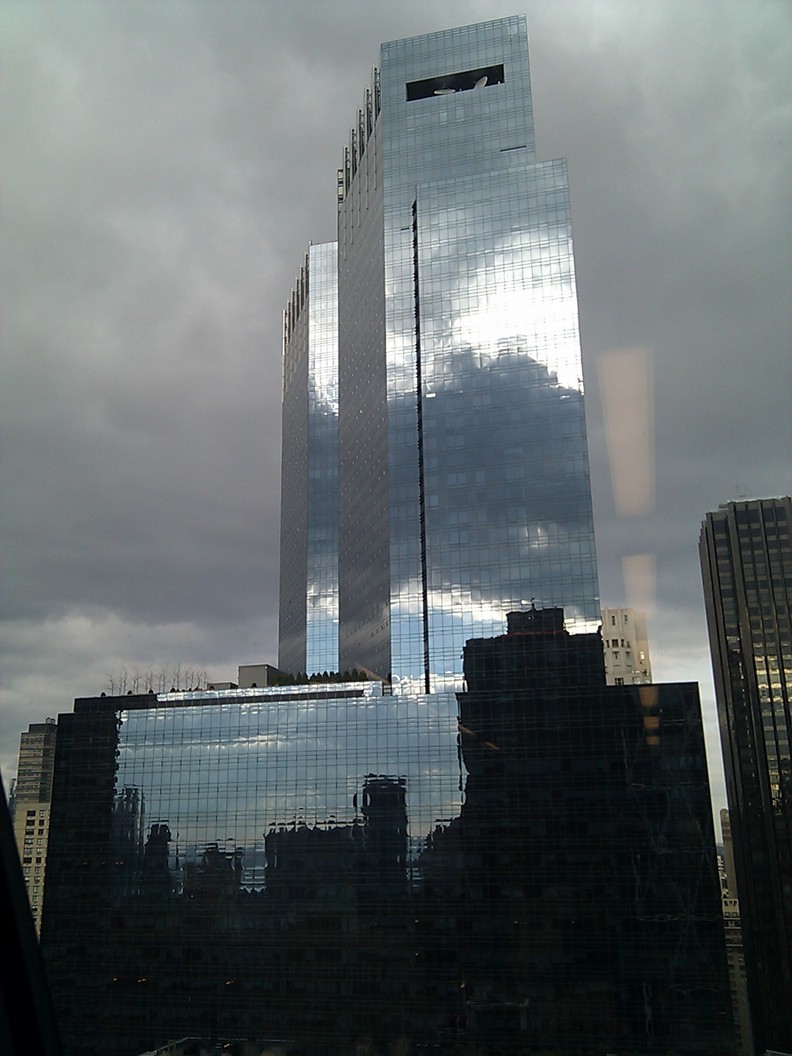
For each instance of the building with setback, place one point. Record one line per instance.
(462, 455)
(746, 560)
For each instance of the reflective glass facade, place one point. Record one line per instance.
(283, 759)
(462, 425)
(245, 864)
(746, 558)
(527, 867)
(308, 620)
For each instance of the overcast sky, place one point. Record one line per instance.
(165, 166)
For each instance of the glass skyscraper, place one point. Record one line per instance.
(463, 467)
(746, 560)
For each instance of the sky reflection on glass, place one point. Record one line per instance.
(227, 775)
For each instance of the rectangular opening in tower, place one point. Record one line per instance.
(451, 83)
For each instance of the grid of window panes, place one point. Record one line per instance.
(484, 464)
(746, 557)
(321, 647)
(509, 871)
(230, 773)
(294, 475)
(308, 632)
(750, 562)
(506, 476)
(364, 552)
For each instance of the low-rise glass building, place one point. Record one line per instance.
(527, 866)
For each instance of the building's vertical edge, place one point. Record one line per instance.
(292, 611)
(364, 503)
(321, 645)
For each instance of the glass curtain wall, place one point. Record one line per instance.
(308, 627)
(463, 382)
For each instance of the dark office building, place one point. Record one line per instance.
(746, 560)
(527, 868)
(588, 851)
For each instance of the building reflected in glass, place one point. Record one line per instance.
(246, 863)
(527, 866)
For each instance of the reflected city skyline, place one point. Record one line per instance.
(267, 766)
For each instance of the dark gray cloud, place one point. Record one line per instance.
(164, 168)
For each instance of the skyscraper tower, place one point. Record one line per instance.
(746, 560)
(463, 468)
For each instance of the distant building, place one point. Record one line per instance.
(27, 1021)
(746, 560)
(32, 808)
(249, 676)
(252, 676)
(735, 954)
(626, 648)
